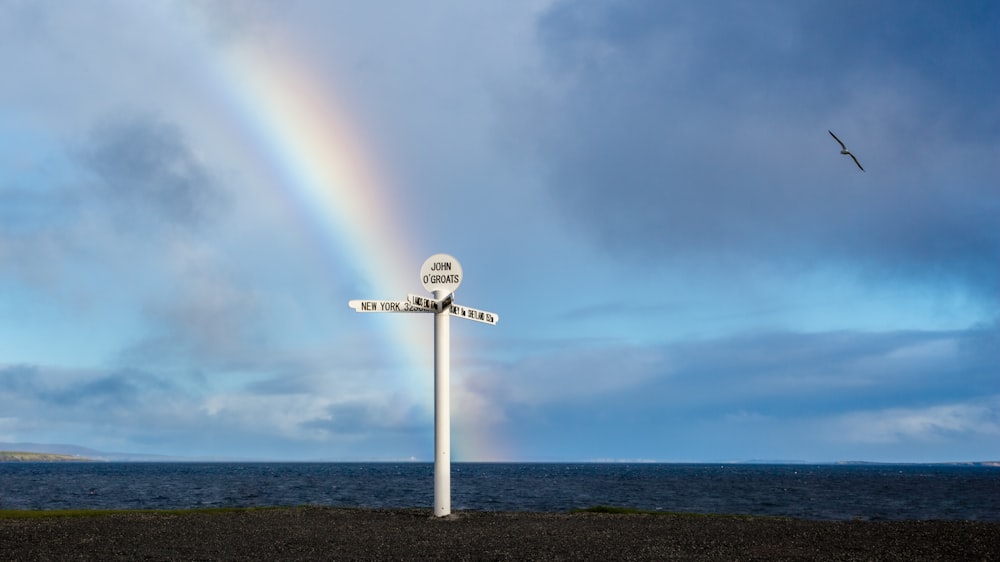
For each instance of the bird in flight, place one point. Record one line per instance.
(843, 150)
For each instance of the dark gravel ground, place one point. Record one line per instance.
(315, 533)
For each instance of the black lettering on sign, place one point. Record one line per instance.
(425, 303)
(441, 266)
(435, 279)
(368, 306)
(441, 279)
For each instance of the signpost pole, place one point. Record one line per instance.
(442, 409)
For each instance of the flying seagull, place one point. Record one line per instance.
(843, 149)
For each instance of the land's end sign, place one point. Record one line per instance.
(430, 305)
(441, 272)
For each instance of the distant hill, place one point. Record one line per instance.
(81, 452)
(53, 449)
(23, 456)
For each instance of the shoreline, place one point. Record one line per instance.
(309, 533)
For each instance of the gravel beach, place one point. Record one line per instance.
(317, 533)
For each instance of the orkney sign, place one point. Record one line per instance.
(441, 274)
(473, 314)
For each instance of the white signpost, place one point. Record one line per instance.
(441, 274)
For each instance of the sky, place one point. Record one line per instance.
(684, 266)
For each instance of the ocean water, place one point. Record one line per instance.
(835, 492)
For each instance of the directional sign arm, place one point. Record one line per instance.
(428, 304)
(384, 306)
(473, 314)
(431, 305)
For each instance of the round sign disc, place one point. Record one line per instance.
(441, 272)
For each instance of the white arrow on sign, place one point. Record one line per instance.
(473, 314)
(384, 306)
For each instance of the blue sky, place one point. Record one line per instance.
(685, 267)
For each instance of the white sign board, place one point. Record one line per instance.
(473, 314)
(430, 304)
(385, 306)
(441, 272)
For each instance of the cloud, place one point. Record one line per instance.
(207, 323)
(931, 423)
(780, 395)
(777, 378)
(115, 402)
(578, 373)
(228, 20)
(684, 146)
(133, 410)
(74, 389)
(145, 172)
(109, 205)
(372, 416)
(673, 135)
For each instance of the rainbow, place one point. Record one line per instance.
(317, 159)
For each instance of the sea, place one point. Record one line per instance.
(818, 492)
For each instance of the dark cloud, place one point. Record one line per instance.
(18, 378)
(779, 373)
(743, 54)
(146, 172)
(31, 391)
(948, 54)
(669, 133)
(746, 390)
(133, 184)
(793, 374)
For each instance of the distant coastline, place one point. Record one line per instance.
(24, 456)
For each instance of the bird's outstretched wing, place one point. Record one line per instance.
(856, 161)
(842, 147)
